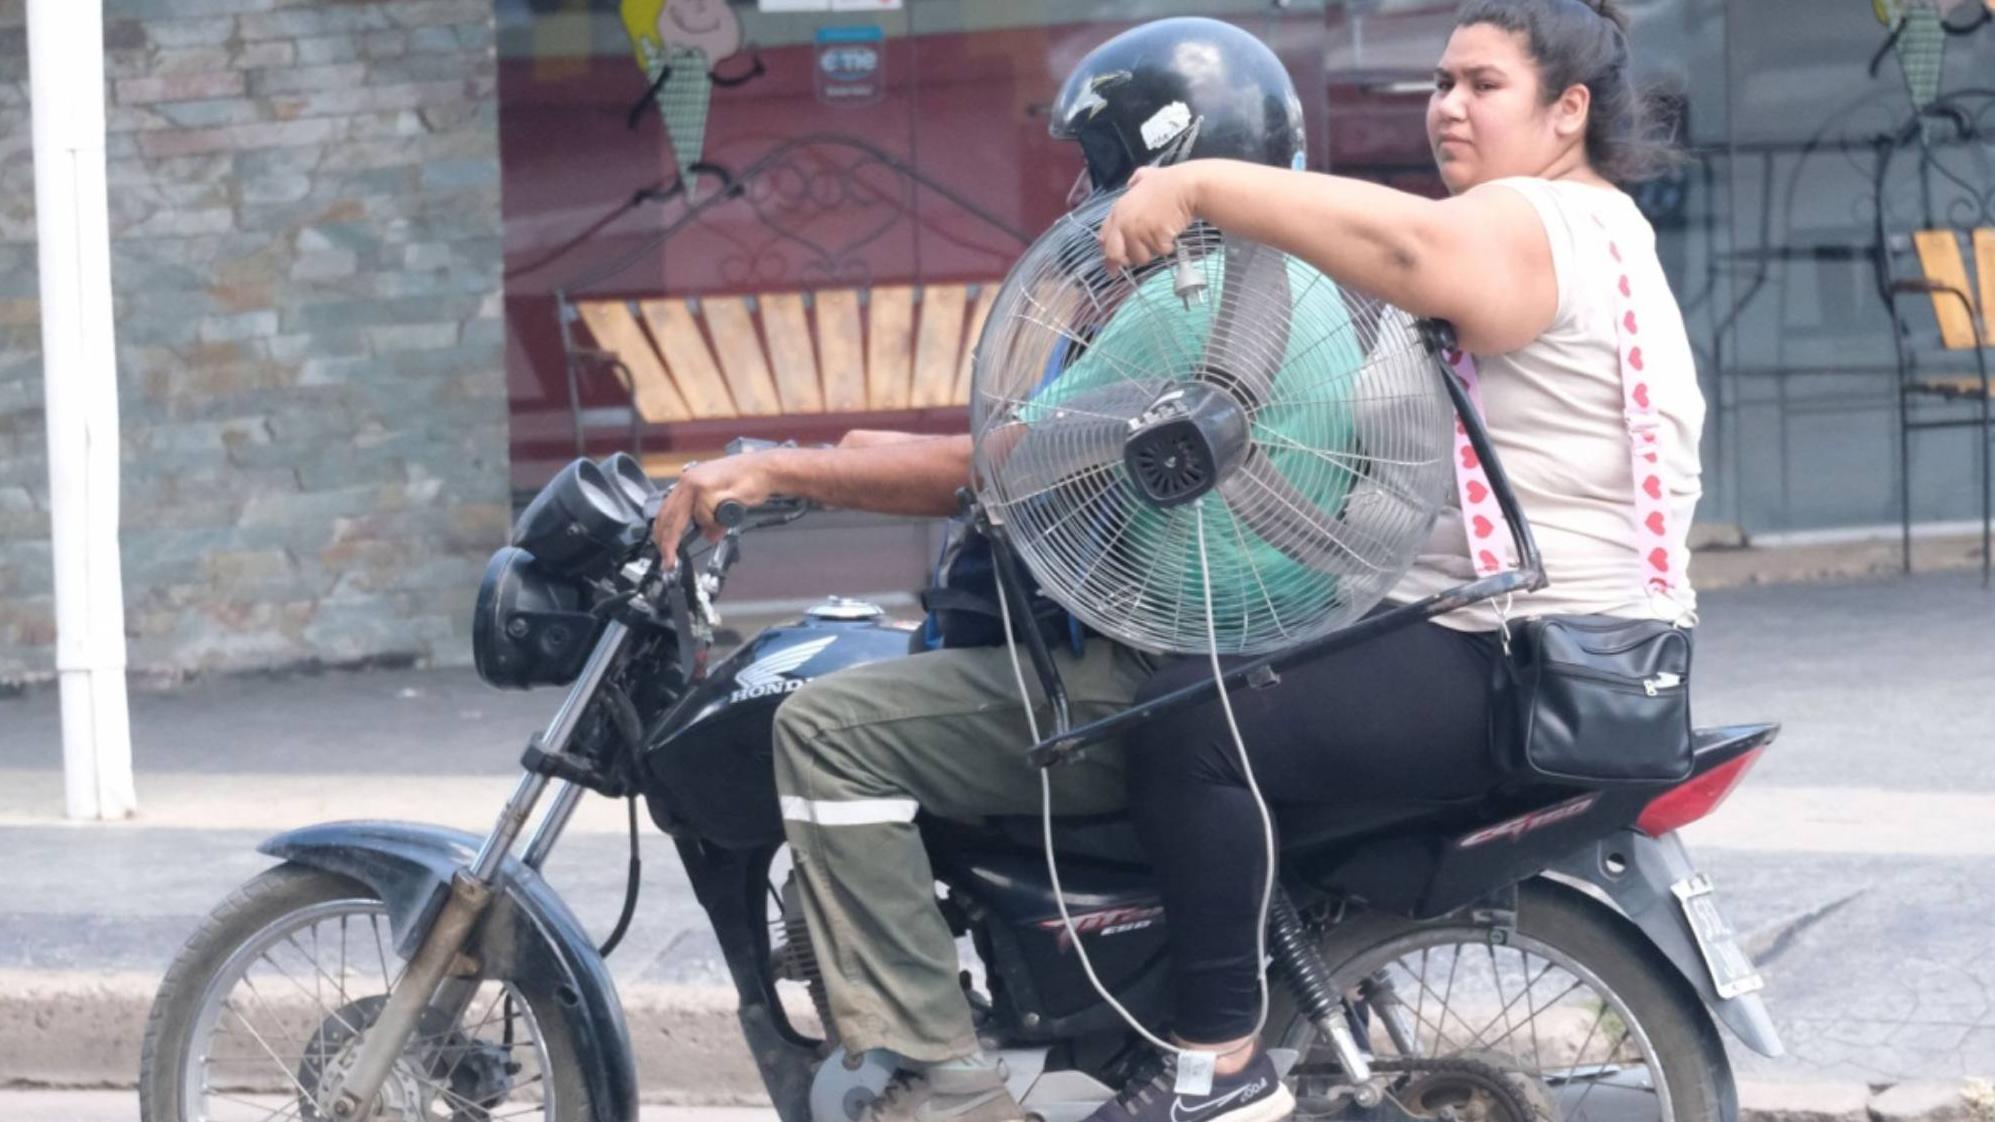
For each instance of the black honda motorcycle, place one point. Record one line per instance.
(1530, 954)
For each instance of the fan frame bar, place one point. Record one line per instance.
(1529, 576)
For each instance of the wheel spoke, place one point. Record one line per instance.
(284, 1110)
(1503, 1014)
(1579, 1108)
(268, 1051)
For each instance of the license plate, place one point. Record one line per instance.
(1732, 972)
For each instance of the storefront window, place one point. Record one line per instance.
(863, 171)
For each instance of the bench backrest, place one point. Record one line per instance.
(1944, 265)
(846, 350)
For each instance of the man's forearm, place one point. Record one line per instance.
(916, 477)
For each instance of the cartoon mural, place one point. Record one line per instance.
(1919, 30)
(678, 43)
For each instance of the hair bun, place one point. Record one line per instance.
(1610, 10)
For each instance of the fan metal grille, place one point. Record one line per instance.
(1347, 462)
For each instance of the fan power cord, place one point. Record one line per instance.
(1246, 767)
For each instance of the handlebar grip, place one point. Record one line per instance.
(730, 513)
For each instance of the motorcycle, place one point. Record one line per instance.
(1530, 954)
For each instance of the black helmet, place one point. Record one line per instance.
(1179, 89)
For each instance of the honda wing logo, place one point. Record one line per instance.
(770, 674)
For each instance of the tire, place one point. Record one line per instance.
(266, 900)
(1658, 1000)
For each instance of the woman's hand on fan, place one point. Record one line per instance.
(1145, 222)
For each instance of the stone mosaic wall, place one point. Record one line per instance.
(306, 257)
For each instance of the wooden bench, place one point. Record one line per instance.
(885, 348)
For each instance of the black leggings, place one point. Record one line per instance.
(1402, 713)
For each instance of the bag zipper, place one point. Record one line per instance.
(1651, 686)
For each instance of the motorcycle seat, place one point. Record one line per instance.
(1310, 826)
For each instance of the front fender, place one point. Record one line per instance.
(529, 935)
(1641, 892)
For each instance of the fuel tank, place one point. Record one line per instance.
(707, 769)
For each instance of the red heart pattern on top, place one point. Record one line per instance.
(1475, 490)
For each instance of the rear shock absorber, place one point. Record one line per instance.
(1290, 947)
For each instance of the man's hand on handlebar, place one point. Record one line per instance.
(702, 488)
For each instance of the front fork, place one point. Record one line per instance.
(440, 956)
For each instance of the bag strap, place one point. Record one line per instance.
(1490, 545)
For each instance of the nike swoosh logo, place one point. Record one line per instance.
(1180, 1112)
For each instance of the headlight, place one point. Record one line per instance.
(532, 627)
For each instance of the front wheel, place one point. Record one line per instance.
(275, 991)
(1570, 1018)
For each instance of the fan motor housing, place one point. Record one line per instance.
(1184, 443)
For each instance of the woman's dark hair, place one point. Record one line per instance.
(1585, 43)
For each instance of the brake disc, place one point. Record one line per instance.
(477, 1076)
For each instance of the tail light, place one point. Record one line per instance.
(1689, 801)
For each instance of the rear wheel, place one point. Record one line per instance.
(1570, 1017)
(276, 991)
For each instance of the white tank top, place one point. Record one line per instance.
(1553, 408)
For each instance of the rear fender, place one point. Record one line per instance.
(529, 935)
(1640, 891)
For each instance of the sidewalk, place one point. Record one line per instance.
(1855, 858)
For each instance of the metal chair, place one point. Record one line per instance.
(1936, 207)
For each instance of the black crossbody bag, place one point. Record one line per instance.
(1594, 701)
(1591, 700)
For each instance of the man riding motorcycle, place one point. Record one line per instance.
(859, 753)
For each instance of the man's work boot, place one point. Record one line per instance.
(946, 1094)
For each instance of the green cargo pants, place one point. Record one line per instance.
(858, 753)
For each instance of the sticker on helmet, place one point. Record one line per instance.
(1165, 124)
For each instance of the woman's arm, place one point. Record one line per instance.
(1480, 260)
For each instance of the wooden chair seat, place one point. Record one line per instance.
(1967, 386)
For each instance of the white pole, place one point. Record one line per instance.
(80, 380)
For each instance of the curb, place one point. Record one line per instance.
(74, 1029)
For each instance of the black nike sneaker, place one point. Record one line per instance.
(1253, 1094)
